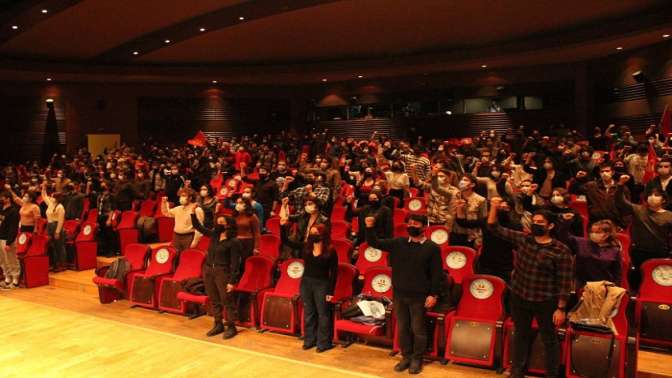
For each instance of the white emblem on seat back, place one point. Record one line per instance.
(22, 239)
(87, 230)
(381, 283)
(456, 260)
(662, 275)
(439, 236)
(481, 288)
(162, 256)
(372, 254)
(295, 270)
(415, 205)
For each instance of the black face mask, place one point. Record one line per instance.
(538, 230)
(220, 228)
(414, 231)
(374, 204)
(314, 238)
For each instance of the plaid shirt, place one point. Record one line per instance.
(541, 272)
(297, 196)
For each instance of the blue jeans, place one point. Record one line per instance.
(316, 314)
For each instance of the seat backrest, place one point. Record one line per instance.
(164, 228)
(621, 318)
(482, 297)
(399, 216)
(40, 225)
(23, 242)
(370, 257)
(400, 230)
(291, 272)
(136, 254)
(147, 208)
(71, 227)
(203, 243)
(128, 219)
(344, 281)
(87, 232)
(92, 215)
(38, 245)
(656, 280)
(269, 246)
(625, 245)
(343, 248)
(190, 265)
(378, 282)
(458, 261)
(438, 234)
(258, 273)
(162, 261)
(273, 226)
(338, 213)
(339, 229)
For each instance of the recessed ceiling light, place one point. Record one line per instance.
(15, 27)
(241, 18)
(484, 66)
(666, 36)
(45, 11)
(166, 41)
(136, 52)
(360, 76)
(49, 101)
(324, 80)
(48, 79)
(619, 48)
(202, 29)
(214, 82)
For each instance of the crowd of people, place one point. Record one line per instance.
(505, 195)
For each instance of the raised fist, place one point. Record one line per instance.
(496, 201)
(581, 174)
(568, 216)
(285, 201)
(370, 221)
(623, 179)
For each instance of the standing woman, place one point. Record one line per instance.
(55, 220)
(317, 284)
(29, 212)
(208, 204)
(185, 235)
(249, 229)
(221, 271)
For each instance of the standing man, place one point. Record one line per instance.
(540, 285)
(416, 279)
(9, 229)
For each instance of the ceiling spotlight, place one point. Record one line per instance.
(448, 112)
(324, 80)
(214, 82)
(49, 101)
(484, 66)
(49, 79)
(202, 30)
(166, 41)
(45, 11)
(241, 18)
(360, 76)
(619, 48)
(15, 27)
(666, 36)
(136, 52)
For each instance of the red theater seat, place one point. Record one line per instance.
(340, 229)
(190, 266)
(400, 230)
(91, 216)
(338, 213)
(34, 260)
(256, 280)
(164, 229)
(280, 306)
(127, 229)
(86, 247)
(269, 246)
(399, 216)
(203, 243)
(144, 290)
(111, 289)
(343, 250)
(147, 208)
(474, 329)
(377, 285)
(459, 261)
(535, 359)
(593, 354)
(626, 265)
(273, 226)
(416, 205)
(652, 308)
(370, 257)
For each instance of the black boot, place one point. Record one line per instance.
(216, 329)
(231, 331)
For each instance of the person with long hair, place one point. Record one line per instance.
(29, 211)
(305, 219)
(208, 204)
(317, 284)
(55, 221)
(221, 270)
(9, 229)
(249, 228)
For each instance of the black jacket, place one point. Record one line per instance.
(9, 224)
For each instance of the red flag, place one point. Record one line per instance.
(199, 140)
(666, 121)
(651, 162)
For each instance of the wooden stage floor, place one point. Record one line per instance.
(62, 330)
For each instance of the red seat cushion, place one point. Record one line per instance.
(359, 328)
(188, 297)
(111, 282)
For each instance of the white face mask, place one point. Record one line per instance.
(525, 189)
(441, 180)
(183, 201)
(240, 207)
(174, 171)
(606, 176)
(597, 238)
(664, 171)
(557, 200)
(310, 209)
(654, 201)
(26, 199)
(548, 165)
(204, 193)
(247, 195)
(463, 185)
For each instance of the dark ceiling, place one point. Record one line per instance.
(302, 41)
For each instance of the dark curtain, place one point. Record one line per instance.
(51, 144)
